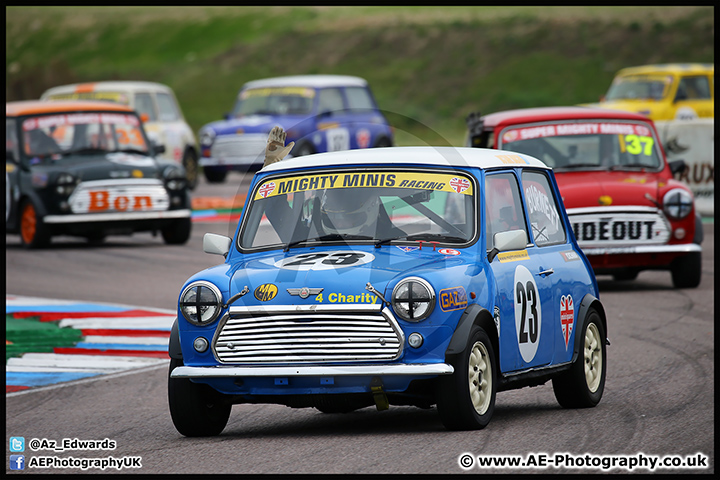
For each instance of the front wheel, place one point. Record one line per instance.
(466, 399)
(214, 174)
(583, 385)
(192, 168)
(687, 271)
(178, 232)
(33, 232)
(197, 410)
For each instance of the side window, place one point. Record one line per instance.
(144, 105)
(169, 111)
(542, 208)
(11, 141)
(330, 99)
(359, 99)
(693, 88)
(503, 206)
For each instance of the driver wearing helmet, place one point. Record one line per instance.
(349, 212)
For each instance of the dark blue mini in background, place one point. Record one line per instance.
(320, 113)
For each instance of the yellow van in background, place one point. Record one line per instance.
(156, 105)
(664, 92)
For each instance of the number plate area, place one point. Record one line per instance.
(141, 195)
(619, 228)
(315, 334)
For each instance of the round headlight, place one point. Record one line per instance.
(201, 303)
(207, 137)
(174, 177)
(413, 299)
(677, 203)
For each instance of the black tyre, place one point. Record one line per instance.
(466, 399)
(383, 143)
(33, 232)
(687, 271)
(582, 386)
(214, 175)
(196, 409)
(192, 169)
(178, 232)
(97, 238)
(625, 275)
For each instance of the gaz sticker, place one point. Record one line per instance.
(452, 299)
(528, 313)
(325, 260)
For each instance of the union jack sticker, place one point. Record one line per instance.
(459, 184)
(266, 189)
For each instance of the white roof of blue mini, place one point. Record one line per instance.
(424, 156)
(318, 81)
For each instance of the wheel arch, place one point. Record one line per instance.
(174, 349)
(589, 301)
(474, 315)
(16, 214)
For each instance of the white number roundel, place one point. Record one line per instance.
(528, 314)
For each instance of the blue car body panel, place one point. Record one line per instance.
(535, 312)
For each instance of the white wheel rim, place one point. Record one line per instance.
(593, 357)
(480, 378)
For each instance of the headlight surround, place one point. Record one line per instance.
(65, 184)
(677, 203)
(207, 137)
(413, 299)
(201, 303)
(174, 178)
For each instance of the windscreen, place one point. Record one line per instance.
(586, 145)
(53, 137)
(274, 101)
(374, 206)
(639, 87)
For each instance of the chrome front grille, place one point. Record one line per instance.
(314, 334)
(239, 146)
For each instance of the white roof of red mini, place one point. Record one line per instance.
(547, 114)
(318, 81)
(411, 156)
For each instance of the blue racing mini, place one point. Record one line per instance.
(407, 276)
(320, 113)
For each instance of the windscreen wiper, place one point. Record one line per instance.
(84, 151)
(435, 237)
(330, 237)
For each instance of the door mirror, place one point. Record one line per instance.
(216, 244)
(506, 241)
(157, 149)
(677, 166)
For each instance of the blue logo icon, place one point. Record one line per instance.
(17, 462)
(17, 444)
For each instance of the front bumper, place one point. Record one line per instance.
(116, 217)
(238, 150)
(414, 370)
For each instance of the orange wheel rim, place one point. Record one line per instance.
(28, 224)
